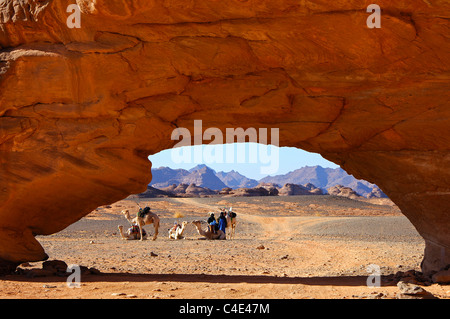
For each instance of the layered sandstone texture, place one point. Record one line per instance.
(82, 108)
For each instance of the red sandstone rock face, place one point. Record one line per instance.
(80, 109)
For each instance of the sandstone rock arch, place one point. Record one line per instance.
(81, 109)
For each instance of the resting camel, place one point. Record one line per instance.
(177, 232)
(207, 233)
(149, 218)
(131, 235)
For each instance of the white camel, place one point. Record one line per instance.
(176, 232)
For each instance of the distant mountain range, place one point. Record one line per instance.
(203, 176)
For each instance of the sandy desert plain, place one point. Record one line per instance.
(286, 247)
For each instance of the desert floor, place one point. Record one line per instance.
(285, 247)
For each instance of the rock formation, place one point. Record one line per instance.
(272, 188)
(82, 108)
(339, 190)
(185, 190)
(293, 189)
(255, 191)
(194, 190)
(152, 192)
(313, 189)
(376, 193)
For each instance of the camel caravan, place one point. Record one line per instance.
(216, 229)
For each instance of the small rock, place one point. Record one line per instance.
(153, 254)
(229, 289)
(379, 295)
(408, 291)
(118, 294)
(260, 247)
(48, 286)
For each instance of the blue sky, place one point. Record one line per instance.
(252, 160)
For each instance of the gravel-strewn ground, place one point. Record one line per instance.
(285, 247)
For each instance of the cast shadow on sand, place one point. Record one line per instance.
(350, 281)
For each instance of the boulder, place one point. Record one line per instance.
(412, 291)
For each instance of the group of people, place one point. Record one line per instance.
(220, 223)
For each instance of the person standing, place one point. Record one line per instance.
(222, 221)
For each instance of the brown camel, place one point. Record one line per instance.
(231, 225)
(149, 218)
(207, 233)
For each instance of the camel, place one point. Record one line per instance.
(130, 235)
(177, 231)
(149, 218)
(207, 233)
(231, 222)
(231, 225)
